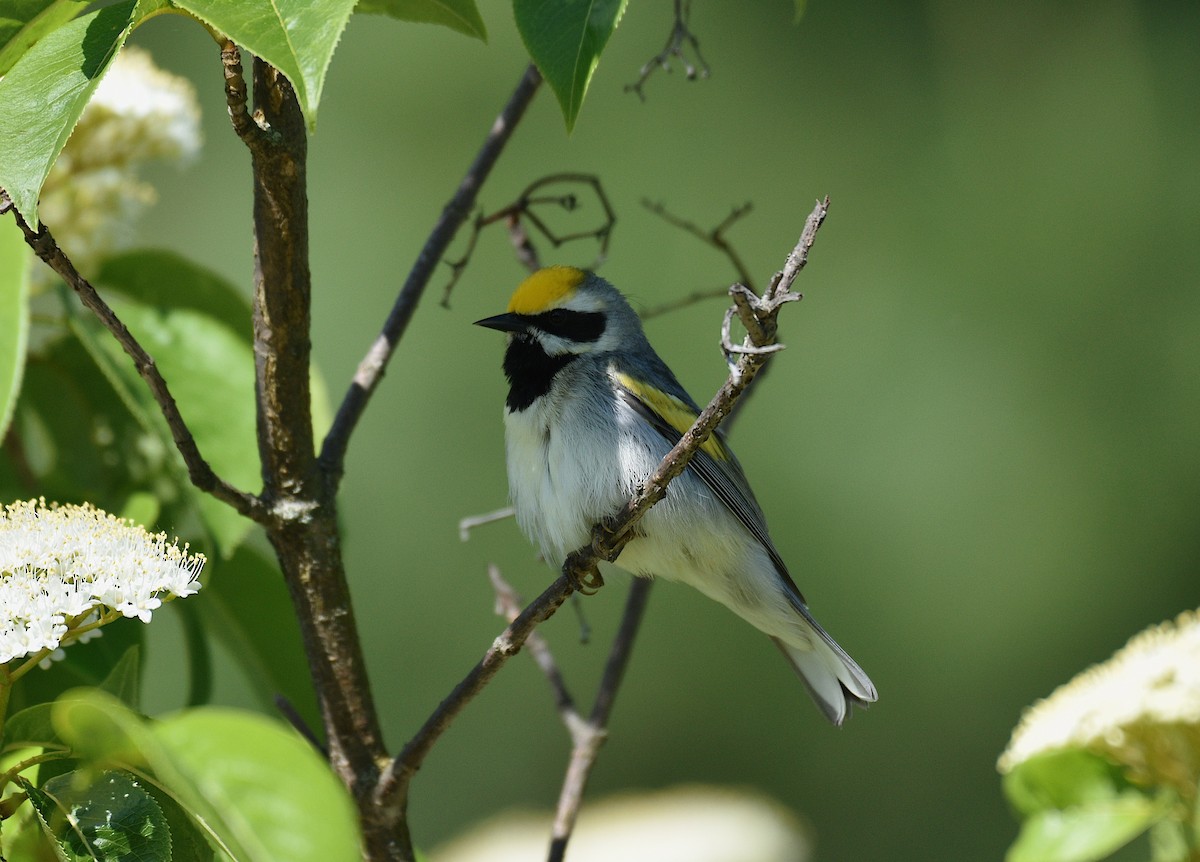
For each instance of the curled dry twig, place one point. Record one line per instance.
(525, 207)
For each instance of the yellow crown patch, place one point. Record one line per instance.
(545, 288)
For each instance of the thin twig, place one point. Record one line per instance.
(508, 605)
(201, 474)
(524, 208)
(587, 737)
(466, 525)
(288, 710)
(680, 36)
(391, 793)
(715, 237)
(235, 95)
(580, 570)
(371, 368)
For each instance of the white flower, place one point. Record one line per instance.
(685, 824)
(62, 566)
(1140, 709)
(92, 196)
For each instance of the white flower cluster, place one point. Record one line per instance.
(1140, 709)
(92, 195)
(682, 824)
(62, 566)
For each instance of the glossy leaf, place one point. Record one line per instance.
(189, 321)
(23, 22)
(109, 818)
(1084, 833)
(188, 841)
(565, 39)
(460, 15)
(247, 608)
(297, 37)
(225, 767)
(43, 94)
(1061, 779)
(84, 664)
(15, 259)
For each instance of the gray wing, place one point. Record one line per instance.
(724, 478)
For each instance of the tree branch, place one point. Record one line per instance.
(588, 737)
(680, 36)
(302, 522)
(199, 472)
(371, 368)
(580, 570)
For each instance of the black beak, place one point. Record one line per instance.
(508, 322)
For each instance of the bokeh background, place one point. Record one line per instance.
(979, 452)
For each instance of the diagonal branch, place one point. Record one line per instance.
(371, 368)
(201, 474)
(580, 571)
(587, 737)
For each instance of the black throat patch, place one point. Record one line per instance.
(530, 370)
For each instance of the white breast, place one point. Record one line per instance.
(563, 467)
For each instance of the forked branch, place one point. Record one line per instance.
(200, 472)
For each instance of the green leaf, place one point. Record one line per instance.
(46, 90)
(565, 39)
(460, 15)
(297, 37)
(1084, 833)
(23, 22)
(14, 317)
(1061, 779)
(225, 768)
(801, 7)
(141, 508)
(110, 818)
(234, 760)
(246, 606)
(194, 325)
(124, 681)
(199, 654)
(188, 841)
(85, 664)
(32, 727)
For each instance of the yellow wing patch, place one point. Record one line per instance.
(674, 412)
(545, 289)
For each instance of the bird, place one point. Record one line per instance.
(591, 410)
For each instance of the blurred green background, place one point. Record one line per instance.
(979, 453)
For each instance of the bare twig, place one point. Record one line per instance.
(587, 734)
(715, 237)
(235, 94)
(199, 472)
(680, 37)
(371, 368)
(508, 605)
(288, 710)
(587, 737)
(682, 302)
(466, 525)
(391, 795)
(524, 207)
(580, 570)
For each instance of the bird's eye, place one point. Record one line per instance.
(557, 316)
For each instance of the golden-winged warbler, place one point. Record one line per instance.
(591, 411)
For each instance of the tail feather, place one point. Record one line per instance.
(833, 679)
